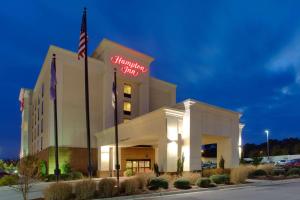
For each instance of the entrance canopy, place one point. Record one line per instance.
(143, 130)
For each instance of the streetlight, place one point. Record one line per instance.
(268, 148)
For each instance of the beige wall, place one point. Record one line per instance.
(71, 96)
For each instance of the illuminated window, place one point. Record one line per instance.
(127, 108)
(127, 90)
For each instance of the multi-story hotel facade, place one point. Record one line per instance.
(153, 128)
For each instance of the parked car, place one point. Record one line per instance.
(209, 165)
(3, 173)
(293, 163)
(281, 163)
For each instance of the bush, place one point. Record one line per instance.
(268, 168)
(220, 179)
(168, 177)
(76, 175)
(157, 183)
(204, 182)
(258, 172)
(218, 171)
(293, 171)
(143, 179)
(222, 163)
(129, 186)
(156, 170)
(128, 172)
(66, 168)
(241, 173)
(85, 189)
(8, 180)
(278, 172)
(58, 191)
(50, 178)
(107, 187)
(43, 168)
(192, 177)
(182, 184)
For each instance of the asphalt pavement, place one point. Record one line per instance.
(268, 191)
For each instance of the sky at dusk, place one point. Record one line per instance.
(241, 55)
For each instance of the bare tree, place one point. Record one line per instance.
(28, 174)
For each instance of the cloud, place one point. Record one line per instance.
(287, 58)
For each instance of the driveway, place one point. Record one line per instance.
(268, 191)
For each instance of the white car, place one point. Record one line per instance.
(281, 162)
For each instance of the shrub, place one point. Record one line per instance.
(66, 168)
(168, 177)
(218, 171)
(204, 182)
(128, 172)
(43, 168)
(106, 187)
(58, 191)
(257, 161)
(278, 172)
(156, 170)
(222, 163)
(268, 168)
(180, 164)
(240, 174)
(85, 189)
(220, 179)
(293, 171)
(157, 183)
(129, 186)
(192, 177)
(182, 184)
(258, 172)
(143, 179)
(76, 175)
(8, 180)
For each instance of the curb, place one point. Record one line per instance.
(251, 183)
(166, 193)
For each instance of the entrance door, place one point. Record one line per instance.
(142, 165)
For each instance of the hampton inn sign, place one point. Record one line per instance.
(153, 127)
(127, 66)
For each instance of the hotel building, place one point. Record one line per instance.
(153, 127)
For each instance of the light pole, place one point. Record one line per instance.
(268, 147)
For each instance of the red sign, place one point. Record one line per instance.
(128, 67)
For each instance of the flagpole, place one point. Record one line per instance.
(87, 106)
(56, 171)
(116, 129)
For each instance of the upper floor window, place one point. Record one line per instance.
(43, 88)
(127, 108)
(127, 90)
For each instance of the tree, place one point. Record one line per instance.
(28, 174)
(156, 170)
(222, 163)
(180, 163)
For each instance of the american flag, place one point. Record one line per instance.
(83, 37)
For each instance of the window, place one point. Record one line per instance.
(139, 165)
(127, 90)
(127, 108)
(42, 126)
(43, 88)
(41, 143)
(42, 107)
